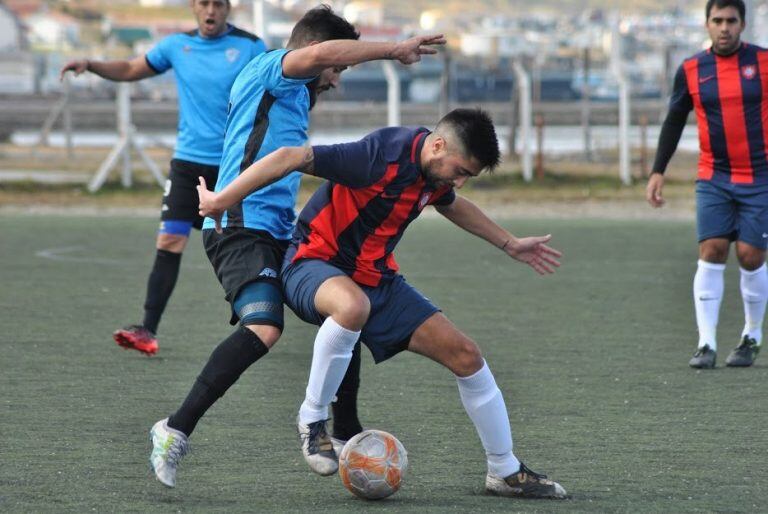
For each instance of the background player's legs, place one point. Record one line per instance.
(754, 293)
(708, 287)
(165, 271)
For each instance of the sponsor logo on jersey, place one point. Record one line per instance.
(268, 272)
(749, 71)
(424, 200)
(232, 54)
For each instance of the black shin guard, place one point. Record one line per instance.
(160, 285)
(345, 421)
(225, 365)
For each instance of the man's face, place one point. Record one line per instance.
(211, 16)
(725, 27)
(328, 79)
(446, 167)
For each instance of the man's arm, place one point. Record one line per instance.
(120, 71)
(531, 250)
(258, 175)
(311, 60)
(680, 104)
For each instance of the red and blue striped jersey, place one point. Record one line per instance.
(375, 189)
(730, 97)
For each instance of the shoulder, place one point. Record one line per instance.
(395, 142)
(243, 34)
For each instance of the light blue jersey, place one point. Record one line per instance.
(205, 69)
(266, 111)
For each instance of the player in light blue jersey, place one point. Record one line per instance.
(206, 62)
(269, 108)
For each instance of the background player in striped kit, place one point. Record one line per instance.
(726, 85)
(206, 62)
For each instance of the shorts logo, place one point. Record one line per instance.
(424, 200)
(232, 54)
(749, 71)
(268, 272)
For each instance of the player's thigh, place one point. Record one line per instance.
(440, 340)
(240, 258)
(180, 199)
(301, 281)
(397, 311)
(752, 224)
(716, 212)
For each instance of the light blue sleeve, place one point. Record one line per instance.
(159, 57)
(271, 74)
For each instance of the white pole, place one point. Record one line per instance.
(393, 94)
(124, 128)
(624, 165)
(259, 27)
(617, 66)
(526, 123)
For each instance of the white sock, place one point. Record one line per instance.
(485, 405)
(707, 296)
(330, 359)
(754, 292)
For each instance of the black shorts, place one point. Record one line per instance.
(180, 201)
(242, 255)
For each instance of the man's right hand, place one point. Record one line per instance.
(77, 67)
(653, 190)
(411, 50)
(208, 205)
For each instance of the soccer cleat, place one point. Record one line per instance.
(524, 484)
(704, 358)
(317, 447)
(338, 445)
(744, 354)
(136, 337)
(168, 447)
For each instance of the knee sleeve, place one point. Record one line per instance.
(260, 303)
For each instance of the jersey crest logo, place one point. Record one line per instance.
(186, 49)
(749, 71)
(424, 200)
(268, 272)
(232, 54)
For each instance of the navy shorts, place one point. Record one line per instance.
(732, 211)
(397, 309)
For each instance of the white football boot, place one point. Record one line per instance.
(317, 447)
(168, 448)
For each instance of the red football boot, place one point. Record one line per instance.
(136, 337)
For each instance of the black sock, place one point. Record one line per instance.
(160, 285)
(345, 421)
(225, 365)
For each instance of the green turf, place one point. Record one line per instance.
(592, 361)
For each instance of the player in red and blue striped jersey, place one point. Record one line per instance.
(727, 87)
(340, 272)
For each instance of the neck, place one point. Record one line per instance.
(728, 53)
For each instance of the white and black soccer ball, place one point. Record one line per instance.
(372, 464)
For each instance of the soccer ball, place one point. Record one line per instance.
(372, 464)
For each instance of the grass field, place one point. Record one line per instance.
(592, 361)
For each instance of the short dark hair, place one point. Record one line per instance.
(321, 24)
(475, 132)
(738, 4)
